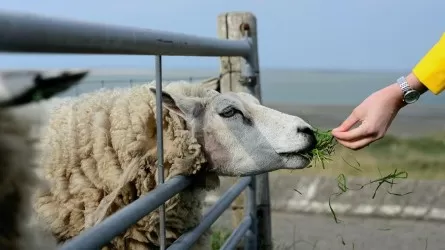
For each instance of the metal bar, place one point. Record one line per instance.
(237, 234)
(264, 233)
(251, 209)
(112, 226)
(187, 240)
(30, 33)
(160, 146)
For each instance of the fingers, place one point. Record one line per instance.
(352, 135)
(347, 124)
(359, 144)
(357, 138)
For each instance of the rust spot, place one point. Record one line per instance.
(244, 27)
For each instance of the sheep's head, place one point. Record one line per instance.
(239, 135)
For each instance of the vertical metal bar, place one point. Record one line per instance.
(263, 214)
(160, 146)
(250, 208)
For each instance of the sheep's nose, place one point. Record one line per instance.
(305, 130)
(310, 135)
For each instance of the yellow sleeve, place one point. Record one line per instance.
(430, 70)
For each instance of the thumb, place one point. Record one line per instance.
(346, 124)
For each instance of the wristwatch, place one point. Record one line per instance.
(409, 95)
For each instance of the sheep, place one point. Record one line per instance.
(99, 155)
(19, 115)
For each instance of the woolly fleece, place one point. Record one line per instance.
(99, 155)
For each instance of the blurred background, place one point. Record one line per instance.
(319, 59)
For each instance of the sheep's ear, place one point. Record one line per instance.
(181, 105)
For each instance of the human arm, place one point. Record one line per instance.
(377, 112)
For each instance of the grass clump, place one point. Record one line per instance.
(324, 149)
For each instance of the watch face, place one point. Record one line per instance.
(411, 96)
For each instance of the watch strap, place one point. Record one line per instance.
(403, 84)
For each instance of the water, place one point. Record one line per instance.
(278, 86)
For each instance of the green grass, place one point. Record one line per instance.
(421, 157)
(324, 149)
(219, 236)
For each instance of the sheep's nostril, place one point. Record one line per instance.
(309, 133)
(305, 130)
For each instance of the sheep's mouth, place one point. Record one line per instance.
(306, 155)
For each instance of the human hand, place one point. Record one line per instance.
(375, 113)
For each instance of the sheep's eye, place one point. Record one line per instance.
(228, 112)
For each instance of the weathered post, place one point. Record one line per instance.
(235, 25)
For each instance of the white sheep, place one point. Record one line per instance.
(99, 155)
(19, 116)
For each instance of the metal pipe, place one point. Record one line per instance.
(237, 234)
(112, 226)
(187, 240)
(30, 33)
(160, 146)
(251, 210)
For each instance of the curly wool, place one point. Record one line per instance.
(100, 154)
(17, 181)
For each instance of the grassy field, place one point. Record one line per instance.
(421, 157)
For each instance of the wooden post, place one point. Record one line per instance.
(231, 26)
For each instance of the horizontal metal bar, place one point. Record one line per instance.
(104, 232)
(237, 234)
(187, 240)
(30, 33)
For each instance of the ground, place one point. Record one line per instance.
(320, 232)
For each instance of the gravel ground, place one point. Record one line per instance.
(319, 232)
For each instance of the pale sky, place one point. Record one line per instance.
(320, 34)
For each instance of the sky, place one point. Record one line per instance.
(300, 34)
